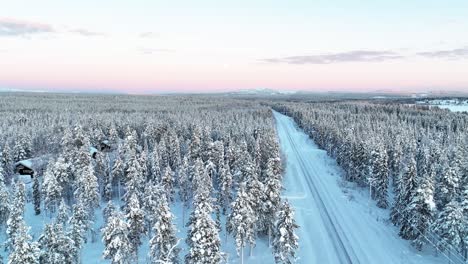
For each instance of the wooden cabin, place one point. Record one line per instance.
(31, 167)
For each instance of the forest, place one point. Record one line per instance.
(110, 169)
(199, 178)
(414, 160)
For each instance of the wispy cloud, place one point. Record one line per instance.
(452, 54)
(87, 33)
(148, 35)
(153, 50)
(351, 56)
(13, 27)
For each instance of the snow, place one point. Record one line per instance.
(454, 105)
(337, 222)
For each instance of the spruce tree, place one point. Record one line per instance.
(286, 241)
(4, 200)
(118, 248)
(136, 224)
(450, 226)
(55, 245)
(15, 219)
(24, 250)
(163, 245)
(167, 183)
(241, 221)
(36, 196)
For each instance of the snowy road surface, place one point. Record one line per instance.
(335, 227)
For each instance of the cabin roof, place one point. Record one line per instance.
(33, 163)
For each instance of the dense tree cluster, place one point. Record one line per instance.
(418, 152)
(217, 157)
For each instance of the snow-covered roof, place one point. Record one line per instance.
(92, 150)
(26, 163)
(106, 142)
(33, 163)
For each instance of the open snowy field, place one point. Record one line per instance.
(336, 227)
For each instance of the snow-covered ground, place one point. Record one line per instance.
(338, 224)
(453, 105)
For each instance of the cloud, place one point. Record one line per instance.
(12, 27)
(149, 35)
(452, 54)
(149, 51)
(87, 33)
(351, 56)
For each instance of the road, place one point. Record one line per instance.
(336, 227)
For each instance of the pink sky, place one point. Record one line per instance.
(150, 47)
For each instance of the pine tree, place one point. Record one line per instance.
(271, 204)
(167, 183)
(420, 211)
(406, 188)
(24, 251)
(241, 221)
(286, 241)
(449, 183)
(79, 224)
(155, 166)
(136, 224)
(380, 176)
(87, 190)
(51, 188)
(151, 200)
(6, 161)
(203, 240)
(450, 226)
(118, 173)
(63, 214)
(117, 245)
(226, 184)
(108, 211)
(184, 186)
(15, 218)
(36, 196)
(4, 200)
(163, 245)
(56, 247)
(135, 181)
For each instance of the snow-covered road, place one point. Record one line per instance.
(336, 227)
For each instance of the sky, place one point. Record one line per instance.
(154, 46)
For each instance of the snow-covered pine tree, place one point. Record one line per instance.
(155, 161)
(448, 183)
(6, 161)
(203, 239)
(4, 199)
(379, 161)
(270, 205)
(87, 190)
(163, 153)
(51, 188)
(256, 194)
(420, 212)
(118, 173)
(22, 148)
(15, 218)
(163, 245)
(79, 224)
(184, 186)
(406, 187)
(195, 143)
(24, 250)
(167, 183)
(62, 214)
(55, 245)
(151, 199)
(108, 211)
(134, 181)
(136, 224)
(450, 226)
(117, 245)
(286, 241)
(241, 221)
(36, 195)
(225, 190)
